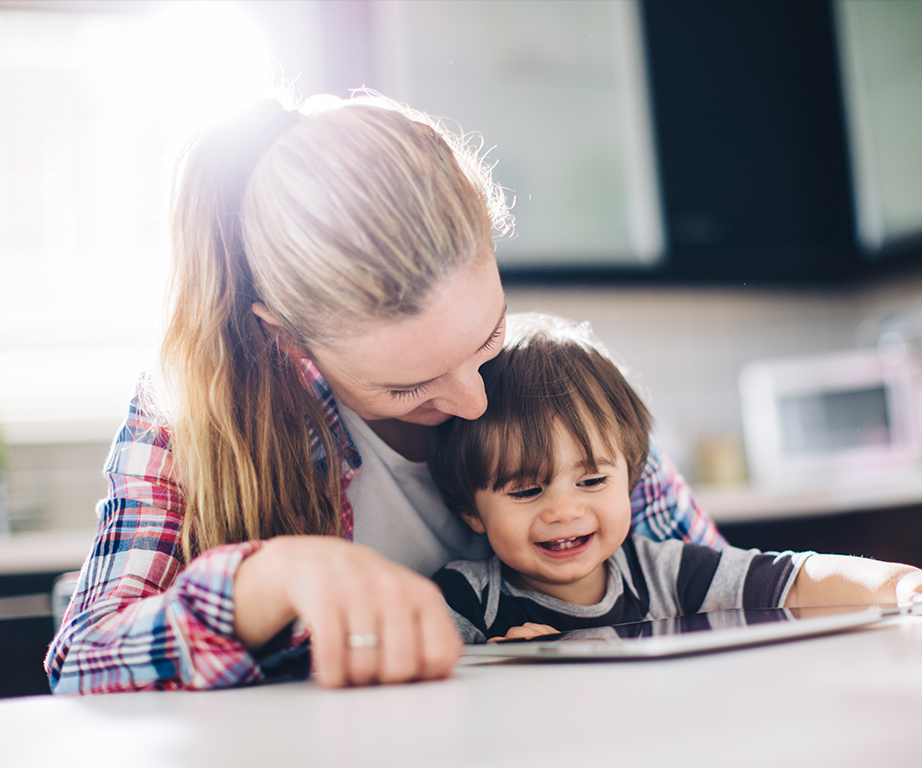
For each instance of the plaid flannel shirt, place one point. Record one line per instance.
(140, 620)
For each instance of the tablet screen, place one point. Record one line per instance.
(697, 633)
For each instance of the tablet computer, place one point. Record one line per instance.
(697, 633)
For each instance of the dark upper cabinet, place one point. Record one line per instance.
(752, 146)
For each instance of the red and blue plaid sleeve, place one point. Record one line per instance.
(663, 506)
(139, 620)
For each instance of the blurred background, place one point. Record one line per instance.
(718, 187)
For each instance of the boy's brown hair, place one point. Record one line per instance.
(549, 370)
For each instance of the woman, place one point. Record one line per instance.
(334, 293)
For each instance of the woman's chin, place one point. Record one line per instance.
(426, 417)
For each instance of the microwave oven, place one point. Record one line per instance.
(844, 419)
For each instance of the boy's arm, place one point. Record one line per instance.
(844, 580)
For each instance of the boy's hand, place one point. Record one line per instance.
(527, 631)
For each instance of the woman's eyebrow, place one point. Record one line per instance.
(480, 349)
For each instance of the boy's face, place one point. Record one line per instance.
(557, 537)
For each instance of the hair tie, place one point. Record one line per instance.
(239, 172)
(272, 130)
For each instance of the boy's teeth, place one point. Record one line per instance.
(558, 545)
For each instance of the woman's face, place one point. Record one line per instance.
(423, 369)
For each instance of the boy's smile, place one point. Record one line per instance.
(555, 538)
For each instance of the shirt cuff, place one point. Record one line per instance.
(206, 590)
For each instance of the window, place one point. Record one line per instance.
(560, 89)
(92, 107)
(881, 52)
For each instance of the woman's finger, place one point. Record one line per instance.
(363, 645)
(328, 642)
(400, 652)
(440, 645)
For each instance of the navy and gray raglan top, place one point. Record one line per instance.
(646, 580)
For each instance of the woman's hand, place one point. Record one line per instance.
(527, 631)
(371, 620)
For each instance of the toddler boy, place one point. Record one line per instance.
(547, 472)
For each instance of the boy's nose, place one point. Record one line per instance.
(562, 510)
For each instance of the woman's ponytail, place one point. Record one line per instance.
(235, 403)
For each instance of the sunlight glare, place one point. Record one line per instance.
(199, 61)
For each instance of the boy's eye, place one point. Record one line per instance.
(525, 493)
(592, 482)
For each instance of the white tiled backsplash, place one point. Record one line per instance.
(55, 486)
(686, 345)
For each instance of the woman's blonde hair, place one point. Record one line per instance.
(353, 214)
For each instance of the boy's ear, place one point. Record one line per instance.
(287, 343)
(474, 521)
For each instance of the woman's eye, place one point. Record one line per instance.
(408, 394)
(525, 493)
(592, 482)
(491, 342)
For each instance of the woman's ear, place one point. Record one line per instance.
(262, 312)
(474, 521)
(273, 327)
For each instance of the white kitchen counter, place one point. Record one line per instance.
(747, 503)
(853, 699)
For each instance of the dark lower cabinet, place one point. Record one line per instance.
(24, 641)
(885, 534)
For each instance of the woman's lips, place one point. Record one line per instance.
(566, 547)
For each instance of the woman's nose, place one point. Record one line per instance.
(466, 396)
